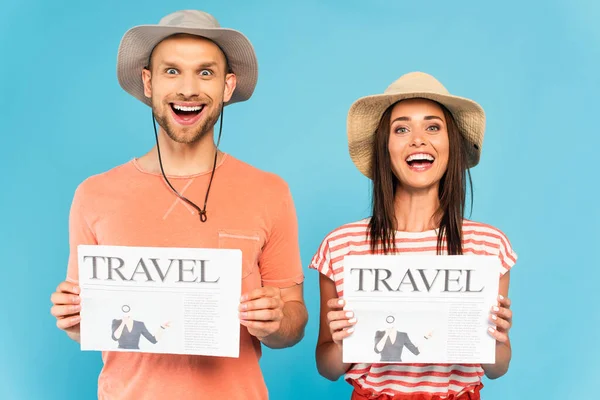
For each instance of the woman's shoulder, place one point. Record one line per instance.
(478, 237)
(349, 230)
(475, 228)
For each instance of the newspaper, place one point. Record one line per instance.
(160, 300)
(420, 308)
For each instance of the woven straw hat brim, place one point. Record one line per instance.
(365, 114)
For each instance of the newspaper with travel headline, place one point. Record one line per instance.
(421, 308)
(160, 300)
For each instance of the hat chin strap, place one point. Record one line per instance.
(201, 212)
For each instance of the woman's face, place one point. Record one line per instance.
(418, 144)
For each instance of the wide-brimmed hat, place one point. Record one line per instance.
(138, 42)
(365, 114)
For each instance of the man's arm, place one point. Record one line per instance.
(66, 300)
(275, 313)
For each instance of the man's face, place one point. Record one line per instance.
(188, 83)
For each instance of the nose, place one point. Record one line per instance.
(189, 86)
(417, 139)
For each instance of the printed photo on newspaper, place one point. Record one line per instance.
(420, 308)
(160, 300)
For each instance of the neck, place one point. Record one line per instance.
(415, 209)
(181, 159)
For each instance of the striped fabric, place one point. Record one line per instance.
(410, 379)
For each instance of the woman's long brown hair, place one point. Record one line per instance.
(452, 191)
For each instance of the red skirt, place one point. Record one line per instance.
(367, 394)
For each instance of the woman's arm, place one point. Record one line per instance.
(119, 328)
(333, 321)
(380, 343)
(501, 317)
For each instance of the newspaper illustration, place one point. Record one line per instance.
(420, 308)
(160, 300)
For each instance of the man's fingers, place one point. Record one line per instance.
(265, 303)
(339, 315)
(62, 311)
(336, 303)
(68, 287)
(262, 315)
(58, 298)
(261, 328)
(69, 322)
(253, 295)
(266, 291)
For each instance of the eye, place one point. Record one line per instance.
(171, 71)
(206, 72)
(433, 128)
(401, 129)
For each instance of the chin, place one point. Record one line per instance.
(185, 135)
(419, 186)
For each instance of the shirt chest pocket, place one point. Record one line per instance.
(246, 241)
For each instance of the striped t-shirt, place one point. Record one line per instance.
(410, 379)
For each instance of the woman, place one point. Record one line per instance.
(416, 142)
(390, 343)
(128, 332)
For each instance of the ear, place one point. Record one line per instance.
(147, 79)
(230, 83)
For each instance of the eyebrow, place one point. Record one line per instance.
(206, 64)
(427, 118)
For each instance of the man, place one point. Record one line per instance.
(188, 69)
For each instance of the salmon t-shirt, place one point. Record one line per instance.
(247, 209)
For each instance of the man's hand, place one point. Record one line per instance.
(66, 308)
(261, 311)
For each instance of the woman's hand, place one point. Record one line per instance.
(501, 317)
(340, 321)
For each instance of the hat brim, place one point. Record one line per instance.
(138, 43)
(365, 114)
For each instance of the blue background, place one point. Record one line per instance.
(534, 68)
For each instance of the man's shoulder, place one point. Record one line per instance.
(98, 183)
(248, 174)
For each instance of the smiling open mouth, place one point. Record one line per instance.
(186, 114)
(420, 161)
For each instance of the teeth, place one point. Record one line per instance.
(420, 157)
(184, 108)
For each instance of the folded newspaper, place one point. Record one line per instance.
(160, 300)
(420, 308)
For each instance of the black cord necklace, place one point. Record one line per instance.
(201, 212)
